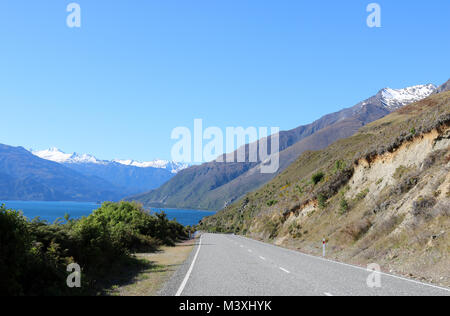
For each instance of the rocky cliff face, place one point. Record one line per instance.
(398, 212)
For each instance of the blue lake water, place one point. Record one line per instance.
(50, 211)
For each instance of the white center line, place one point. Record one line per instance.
(249, 250)
(262, 258)
(327, 294)
(242, 246)
(283, 269)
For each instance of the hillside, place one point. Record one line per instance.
(24, 176)
(216, 184)
(444, 87)
(381, 195)
(130, 179)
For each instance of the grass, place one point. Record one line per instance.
(362, 195)
(308, 172)
(153, 270)
(368, 231)
(401, 171)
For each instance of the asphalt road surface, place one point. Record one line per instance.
(229, 265)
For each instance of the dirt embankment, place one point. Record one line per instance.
(397, 213)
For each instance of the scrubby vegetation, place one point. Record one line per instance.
(343, 205)
(371, 218)
(34, 255)
(329, 170)
(317, 177)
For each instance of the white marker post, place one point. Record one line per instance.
(324, 245)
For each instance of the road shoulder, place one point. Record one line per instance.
(172, 285)
(162, 266)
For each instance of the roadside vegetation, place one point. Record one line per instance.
(34, 254)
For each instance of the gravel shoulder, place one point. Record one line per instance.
(160, 268)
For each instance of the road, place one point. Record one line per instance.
(229, 265)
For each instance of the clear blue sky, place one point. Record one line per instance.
(136, 69)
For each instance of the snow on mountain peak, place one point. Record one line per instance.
(56, 155)
(173, 167)
(395, 98)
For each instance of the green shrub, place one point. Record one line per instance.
(34, 255)
(317, 177)
(272, 202)
(322, 200)
(343, 206)
(362, 195)
(339, 165)
(14, 248)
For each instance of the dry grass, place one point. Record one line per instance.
(160, 267)
(371, 230)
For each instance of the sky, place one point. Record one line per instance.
(136, 69)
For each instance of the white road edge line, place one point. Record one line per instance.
(262, 258)
(283, 269)
(349, 265)
(249, 250)
(327, 294)
(188, 274)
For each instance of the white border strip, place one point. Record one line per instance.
(188, 274)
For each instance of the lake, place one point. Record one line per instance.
(50, 211)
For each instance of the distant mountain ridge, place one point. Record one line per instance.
(57, 155)
(131, 176)
(24, 176)
(172, 166)
(215, 185)
(443, 88)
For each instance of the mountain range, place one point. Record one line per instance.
(24, 176)
(57, 155)
(215, 185)
(129, 175)
(381, 195)
(52, 175)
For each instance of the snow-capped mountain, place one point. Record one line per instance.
(56, 155)
(395, 98)
(130, 176)
(173, 167)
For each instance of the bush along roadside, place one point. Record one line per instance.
(34, 255)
